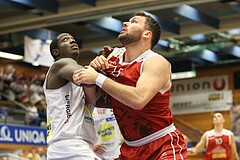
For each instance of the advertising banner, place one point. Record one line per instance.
(200, 85)
(201, 102)
(22, 135)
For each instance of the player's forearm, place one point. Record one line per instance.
(195, 150)
(92, 94)
(127, 95)
(234, 156)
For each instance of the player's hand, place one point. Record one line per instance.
(88, 75)
(106, 51)
(100, 63)
(190, 151)
(99, 149)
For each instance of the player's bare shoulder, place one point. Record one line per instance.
(162, 59)
(54, 78)
(64, 61)
(159, 62)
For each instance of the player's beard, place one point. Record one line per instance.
(127, 38)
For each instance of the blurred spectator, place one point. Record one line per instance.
(36, 87)
(35, 98)
(4, 158)
(1, 80)
(35, 154)
(31, 117)
(23, 154)
(42, 78)
(1, 72)
(29, 156)
(41, 105)
(20, 88)
(12, 75)
(42, 153)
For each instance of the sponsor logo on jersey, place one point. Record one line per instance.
(68, 109)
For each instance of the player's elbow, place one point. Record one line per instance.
(138, 105)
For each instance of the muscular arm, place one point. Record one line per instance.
(153, 78)
(61, 73)
(151, 81)
(201, 144)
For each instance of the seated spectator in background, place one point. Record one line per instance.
(110, 139)
(4, 158)
(12, 75)
(41, 78)
(24, 153)
(36, 87)
(30, 156)
(36, 98)
(42, 153)
(31, 116)
(20, 89)
(35, 154)
(41, 106)
(1, 80)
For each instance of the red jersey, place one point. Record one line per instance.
(156, 115)
(218, 145)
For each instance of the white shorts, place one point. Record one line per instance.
(71, 150)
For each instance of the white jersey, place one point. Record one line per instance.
(67, 116)
(108, 132)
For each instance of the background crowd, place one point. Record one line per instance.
(16, 86)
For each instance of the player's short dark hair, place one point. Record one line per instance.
(153, 26)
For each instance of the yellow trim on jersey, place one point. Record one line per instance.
(219, 155)
(49, 129)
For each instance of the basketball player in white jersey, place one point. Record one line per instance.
(70, 125)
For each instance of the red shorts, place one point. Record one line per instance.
(170, 147)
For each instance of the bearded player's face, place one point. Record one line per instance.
(132, 30)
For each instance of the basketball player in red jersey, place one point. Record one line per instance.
(219, 142)
(139, 83)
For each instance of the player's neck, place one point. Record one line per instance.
(218, 128)
(133, 51)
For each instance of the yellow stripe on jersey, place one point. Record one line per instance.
(49, 129)
(219, 155)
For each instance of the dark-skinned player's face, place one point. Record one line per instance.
(67, 46)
